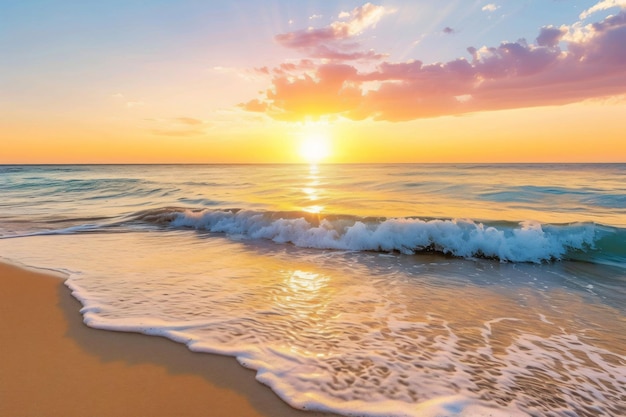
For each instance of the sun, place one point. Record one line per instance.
(314, 147)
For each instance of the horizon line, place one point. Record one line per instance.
(315, 164)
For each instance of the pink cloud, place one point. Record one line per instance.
(324, 52)
(307, 38)
(550, 36)
(328, 94)
(255, 105)
(330, 42)
(511, 75)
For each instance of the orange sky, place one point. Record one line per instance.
(375, 82)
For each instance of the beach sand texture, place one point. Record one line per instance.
(51, 364)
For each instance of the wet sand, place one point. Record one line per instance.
(51, 364)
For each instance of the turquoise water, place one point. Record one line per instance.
(358, 289)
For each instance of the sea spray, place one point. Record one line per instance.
(524, 242)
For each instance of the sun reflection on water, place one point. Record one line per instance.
(304, 294)
(306, 285)
(312, 190)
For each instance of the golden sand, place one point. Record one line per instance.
(51, 364)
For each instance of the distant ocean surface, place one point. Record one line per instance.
(374, 290)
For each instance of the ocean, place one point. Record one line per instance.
(373, 290)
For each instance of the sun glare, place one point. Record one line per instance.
(314, 148)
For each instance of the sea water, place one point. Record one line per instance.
(375, 290)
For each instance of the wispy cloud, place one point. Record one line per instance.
(344, 15)
(335, 41)
(491, 7)
(131, 104)
(603, 5)
(128, 103)
(559, 67)
(190, 121)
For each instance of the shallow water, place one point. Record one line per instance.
(271, 265)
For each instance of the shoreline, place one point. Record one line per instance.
(52, 364)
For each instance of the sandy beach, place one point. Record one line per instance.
(51, 364)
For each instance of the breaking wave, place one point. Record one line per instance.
(525, 241)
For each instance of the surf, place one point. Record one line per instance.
(524, 241)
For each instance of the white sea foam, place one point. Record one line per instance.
(352, 332)
(528, 242)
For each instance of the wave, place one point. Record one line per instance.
(525, 241)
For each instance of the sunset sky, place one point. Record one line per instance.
(295, 81)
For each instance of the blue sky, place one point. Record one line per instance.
(141, 68)
(42, 32)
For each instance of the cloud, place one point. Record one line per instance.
(333, 41)
(132, 104)
(128, 103)
(550, 36)
(448, 30)
(325, 52)
(315, 16)
(255, 105)
(603, 5)
(491, 7)
(306, 96)
(288, 68)
(189, 121)
(561, 67)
